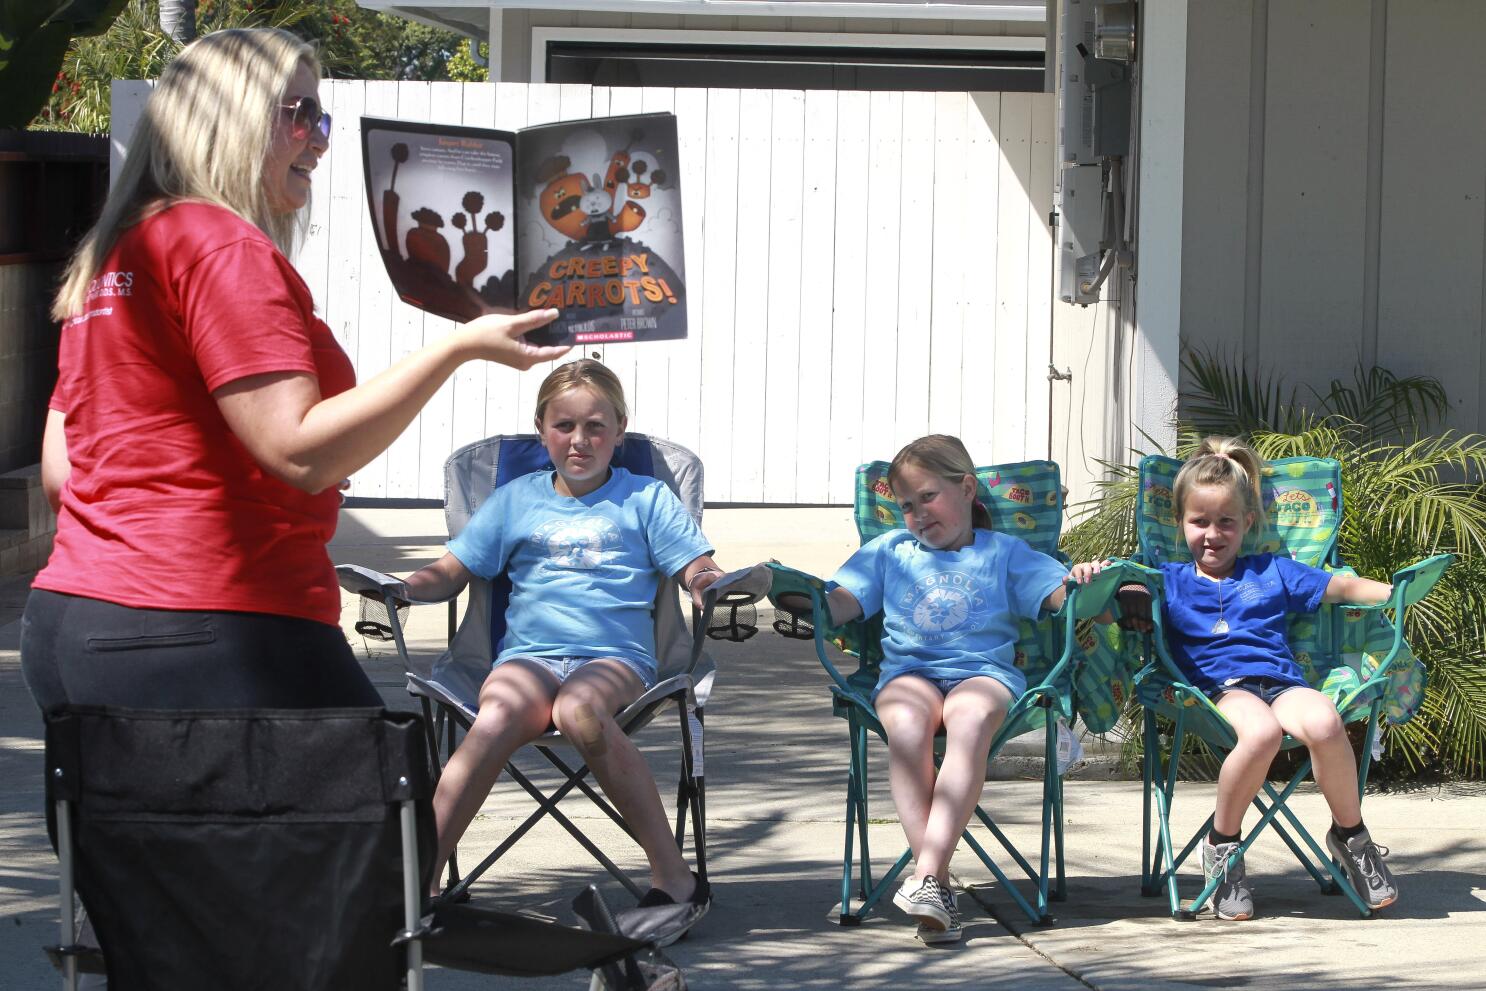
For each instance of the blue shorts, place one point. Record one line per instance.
(945, 685)
(562, 668)
(1265, 688)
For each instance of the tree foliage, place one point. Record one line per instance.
(352, 43)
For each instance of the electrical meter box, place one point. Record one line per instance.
(1080, 229)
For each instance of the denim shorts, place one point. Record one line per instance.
(945, 685)
(1265, 688)
(562, 668)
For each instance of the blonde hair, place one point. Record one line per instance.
(585, 372)
(1225, 462)
(204, 134)
(946, 457)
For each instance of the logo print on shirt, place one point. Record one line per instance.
(943, 607)
(1251, 592)
(581, 544)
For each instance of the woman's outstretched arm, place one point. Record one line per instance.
(312, 443)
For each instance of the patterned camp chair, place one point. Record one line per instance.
(1026, 501)
(1356, 655)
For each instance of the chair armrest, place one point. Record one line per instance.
(787, 580)
(751, 583)
(1414, 582)
(1094, 598)
(357, 580)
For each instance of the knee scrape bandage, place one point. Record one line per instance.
(588, 729)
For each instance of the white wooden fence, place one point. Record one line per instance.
(862, 268)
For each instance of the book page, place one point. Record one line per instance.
(599, 206)
(441, 200)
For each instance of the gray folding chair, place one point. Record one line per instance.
(449, 692)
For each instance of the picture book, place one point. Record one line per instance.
(583, 216)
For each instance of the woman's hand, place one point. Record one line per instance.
(501, 338)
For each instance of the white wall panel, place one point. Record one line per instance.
(861, 268)
(1336, 191)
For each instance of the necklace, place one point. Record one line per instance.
(1221, 626)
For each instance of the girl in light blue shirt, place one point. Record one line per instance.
(951, 591)
(585, 547)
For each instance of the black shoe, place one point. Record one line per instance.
(660, 919)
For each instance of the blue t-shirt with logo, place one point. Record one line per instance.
(950, 615)
(1255, 600)
(583, 571)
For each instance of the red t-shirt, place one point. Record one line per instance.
(165, 508)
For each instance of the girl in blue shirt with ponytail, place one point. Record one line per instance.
(1225, 620)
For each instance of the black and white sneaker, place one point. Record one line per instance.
(922, 899)
(950, 933)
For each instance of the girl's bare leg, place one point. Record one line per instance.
(1245, 767)
(1312, 719)
(973, 712)
(584, 711)
(910, 709)
(515, 708)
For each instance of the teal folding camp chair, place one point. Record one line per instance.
(1354, 654)
(1026, 501)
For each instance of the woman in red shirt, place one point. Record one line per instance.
(204, 417)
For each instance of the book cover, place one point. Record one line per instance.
(583, 216)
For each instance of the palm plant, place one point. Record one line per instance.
(1422, 495)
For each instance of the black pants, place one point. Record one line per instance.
(90, 652)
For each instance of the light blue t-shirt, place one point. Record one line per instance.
(1256, 597)
(583, 571)
(951, 615)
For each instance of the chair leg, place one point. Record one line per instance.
(448, 724)
(866, 866)
(689, 790)
(699, 825)
(847, 918)
(1049, 779)
(68, 909)
(1060, 892)
(1038, 916)
(1328, 887)
(1163, 813)
(412, 898)
(1148, 758)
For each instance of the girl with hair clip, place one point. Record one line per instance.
(1225, 625)
(585, 547)
(946, 663)
(204, 417)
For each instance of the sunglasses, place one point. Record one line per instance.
(307, 117)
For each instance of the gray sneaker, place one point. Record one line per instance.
(922, 899)
(1233, 901)
(1362, 859)
(951, 932)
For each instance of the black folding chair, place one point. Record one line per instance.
(277, 849)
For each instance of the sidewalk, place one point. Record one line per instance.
(775, 804)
